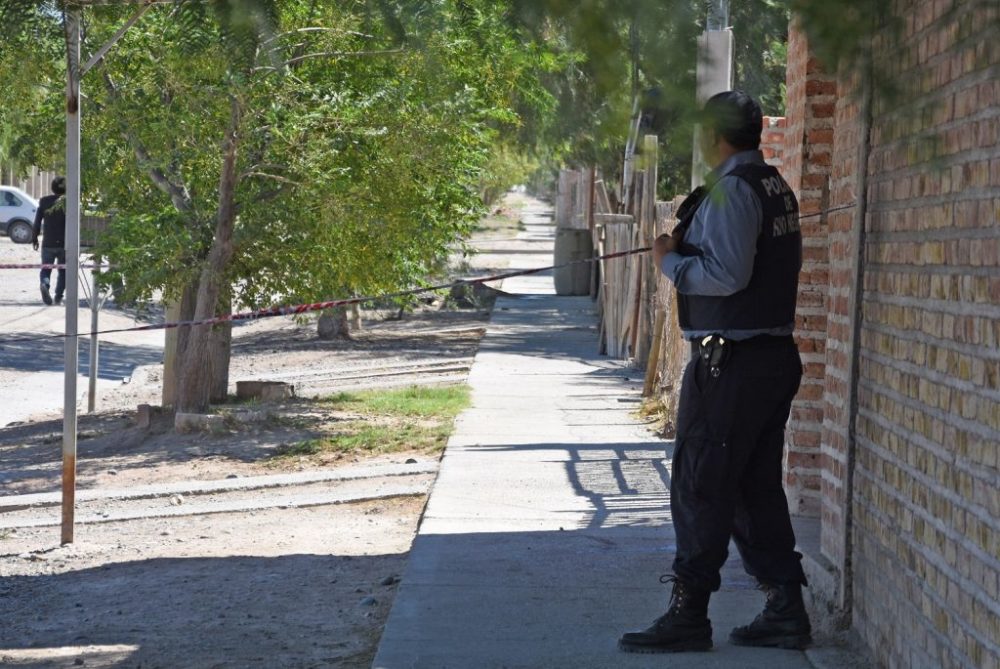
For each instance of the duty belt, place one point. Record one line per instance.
(714, 350)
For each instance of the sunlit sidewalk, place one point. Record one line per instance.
(548, 526)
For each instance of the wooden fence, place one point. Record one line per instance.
(638, 320)
(35, 183)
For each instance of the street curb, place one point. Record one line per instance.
(290, 502)
(33, 500)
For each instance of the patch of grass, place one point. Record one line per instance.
(244, 401)
(442, 402)
(307, 447)
(652, 408)
(388, 421)
(375, 438)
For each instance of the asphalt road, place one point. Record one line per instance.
(32, 354)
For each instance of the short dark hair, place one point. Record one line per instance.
(59, 185)
(736, 117)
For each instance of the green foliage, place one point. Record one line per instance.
(760, 36)
(508, 166)
(365, 135)
(32, 58)
(612, 51)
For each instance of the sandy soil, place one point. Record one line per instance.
(274, 588)
(275, 585)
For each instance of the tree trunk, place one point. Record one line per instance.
(221, 345)
(334, 324)
(194, 384)
(176, 343)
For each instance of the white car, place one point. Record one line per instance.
(17, 214)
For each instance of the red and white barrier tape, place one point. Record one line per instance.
(291, 310)
(47, 266)
(63, 265)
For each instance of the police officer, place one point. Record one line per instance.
(52, 213)
(734, 259)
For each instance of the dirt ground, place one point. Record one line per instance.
(299, 576)
(304, 587)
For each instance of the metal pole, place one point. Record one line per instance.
(718, 15)
(72, 15)
(714, 74)
(95, 308)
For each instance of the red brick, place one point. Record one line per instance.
(811, 392)
(821, 87)
(823, 109)
(800, 459)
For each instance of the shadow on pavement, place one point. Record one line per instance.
(45, 353)
(286, 611)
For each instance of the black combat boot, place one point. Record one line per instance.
(685, 625)
(783, 623)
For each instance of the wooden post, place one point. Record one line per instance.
(653, 363)
(646, 232)
(591, 223)
(565, 202)
(637, 305)
(169, 392)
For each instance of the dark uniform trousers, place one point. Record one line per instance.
(726, 479)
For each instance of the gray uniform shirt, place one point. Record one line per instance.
(725, 228)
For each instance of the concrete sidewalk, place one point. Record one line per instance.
(548, 526)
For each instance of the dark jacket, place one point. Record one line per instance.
(54, 219)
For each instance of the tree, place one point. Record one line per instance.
(281, 149)
(618, 51)
(292, 150)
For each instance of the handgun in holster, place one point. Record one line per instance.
(714, 352)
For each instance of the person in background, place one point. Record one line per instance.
(50, 223)
(734, 259)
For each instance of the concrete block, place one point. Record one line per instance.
(197, 422)
(264, 390)
(144, 416)
(249, 417)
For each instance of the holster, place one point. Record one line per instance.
(714, 352)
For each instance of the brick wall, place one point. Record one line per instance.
(842, 255)
(925, 501)
(808, 143)
(772, 140)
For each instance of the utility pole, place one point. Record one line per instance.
(74, 71)
(73, 12)
(714, 72)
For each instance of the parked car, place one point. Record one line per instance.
(17, 214)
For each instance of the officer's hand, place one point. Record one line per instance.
(34, 244)
(663, 245)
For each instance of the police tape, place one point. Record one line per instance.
(48, 266)
(63, 265)
(294, 310)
